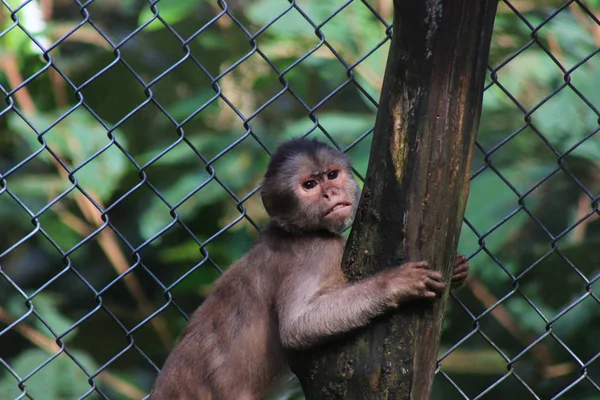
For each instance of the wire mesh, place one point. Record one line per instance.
(107, 184)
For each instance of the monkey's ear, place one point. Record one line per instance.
(271, 198)
(265, 197)
(279, 201)
(266, 193)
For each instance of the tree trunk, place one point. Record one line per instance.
(414, 197)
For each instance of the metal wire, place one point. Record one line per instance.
(138, 263)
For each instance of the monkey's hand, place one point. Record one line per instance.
(461, 270)
(414, 280)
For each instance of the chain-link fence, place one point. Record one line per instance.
(133, 138)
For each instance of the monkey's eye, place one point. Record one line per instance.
(309, 184)
(332, 175)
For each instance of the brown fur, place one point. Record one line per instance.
(288, 291)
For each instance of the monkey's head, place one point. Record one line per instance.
(309, 187)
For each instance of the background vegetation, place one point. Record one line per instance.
(119, 182)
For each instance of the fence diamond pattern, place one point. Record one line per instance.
(539, 359)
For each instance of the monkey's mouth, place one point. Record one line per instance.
(338, 207)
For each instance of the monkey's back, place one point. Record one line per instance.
(231, 346)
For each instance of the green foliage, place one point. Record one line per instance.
(172, 11)
(78, 138)
(59, 379)
(46, 305)
(490, 201)
(16, 41)
(187, 176)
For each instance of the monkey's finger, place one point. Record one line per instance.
(435, 275)
(460, 259)
(459, 277)
(429, 295)
(436, 286)
(420, 264)
(460, 268)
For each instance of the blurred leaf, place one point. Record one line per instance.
(341, 126)
(579, 317)
(564, 120)
(236, 172)
(172, 11)
(60, 379)
(16, 307)
(182, 252)
(529, 74)
(495, 99)
(353, 33)
(560, 284)
(182, 109)
(261, 12)
(207, 142)
(574, 39)
(46, 306)
(200, 281)
(490, 201)
(586, 79)
(77, 139)
(526, 316)
(532, 67)
(16, 41)
(156, 216)
(39, 185)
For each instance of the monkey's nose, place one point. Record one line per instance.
(331, 195)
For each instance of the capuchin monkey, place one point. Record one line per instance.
(288, 292)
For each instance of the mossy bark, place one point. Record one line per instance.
(414, 197)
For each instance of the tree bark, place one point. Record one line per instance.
(414, 197)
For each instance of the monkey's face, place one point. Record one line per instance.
(327, 196)
(311, 189)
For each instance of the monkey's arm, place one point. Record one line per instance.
(307, 317)
(308, 313)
